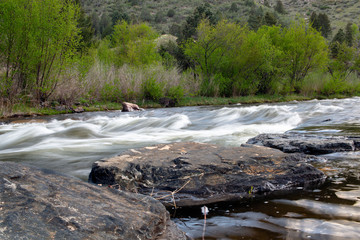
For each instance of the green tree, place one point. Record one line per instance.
(349, 35)
(38, 39)
(134, 44)
(256, 18)
(201, 12)
(270, 19)
(304, 50)
(211, 52)
(314, 21)
(105, 25)
(325, 26)
(279, 7)
(338, 39)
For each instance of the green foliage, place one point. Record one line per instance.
(270, 19)
(40, 37)
(171, 13)
(152, 89)
(134, 44)
(176, 93)
(304, 50)
(279, 7)
(111, 92)
(234, 7)
(200, 13)
(256, 18)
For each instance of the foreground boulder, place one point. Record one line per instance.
(187, 174)
(38, 204)
(307, 143)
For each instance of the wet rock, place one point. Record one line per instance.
(39, 204)
(188, 174)
(130, 107)
(307, 143)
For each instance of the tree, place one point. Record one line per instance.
(314, 21)
(270, 19)
(279, 7)
(134, 44)
(105, 25)
(171, 13)
(304, 49)
(212, 50)
(201, 12)
(349, 35)
(338, 39)
(256, 18)
(38, 39)
(324, 23)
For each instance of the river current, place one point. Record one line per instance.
(71, 143)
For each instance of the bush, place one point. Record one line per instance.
(152, 90)
(171, 13)
(111, 93)
(176, 93)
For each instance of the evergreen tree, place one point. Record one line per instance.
(270, 19)
(349, 36)
(86, 30)
(279, 7)
(256, 18)
(314, 21)
(201, 12)
(338, 39)
(105, 25)
(324, 23)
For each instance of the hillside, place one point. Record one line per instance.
(166, 14)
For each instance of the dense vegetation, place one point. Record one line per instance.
(57, 52)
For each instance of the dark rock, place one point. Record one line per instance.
(195, 174)
(306, 143)
(130, 107)
(40, 204)
(167, 102)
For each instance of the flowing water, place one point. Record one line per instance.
(71, 143)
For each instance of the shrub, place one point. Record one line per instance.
(152, 89)
(176, 93)
(171, 13)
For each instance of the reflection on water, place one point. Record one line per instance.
(71, 143)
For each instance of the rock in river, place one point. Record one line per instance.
(187, 174)
(39, 204)
(307, 143)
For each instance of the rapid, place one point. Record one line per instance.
(71, 143)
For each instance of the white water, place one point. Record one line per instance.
(71, 143)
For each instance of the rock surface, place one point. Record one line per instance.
(130, 107)
(39, 204)
(195, 174)
(306, 143)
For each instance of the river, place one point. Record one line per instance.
(71, 143)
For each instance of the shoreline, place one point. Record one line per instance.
(32, 112)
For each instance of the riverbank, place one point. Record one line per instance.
(22, 110)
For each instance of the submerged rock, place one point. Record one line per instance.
(307, 143)
(39, 204)
(187, 174)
